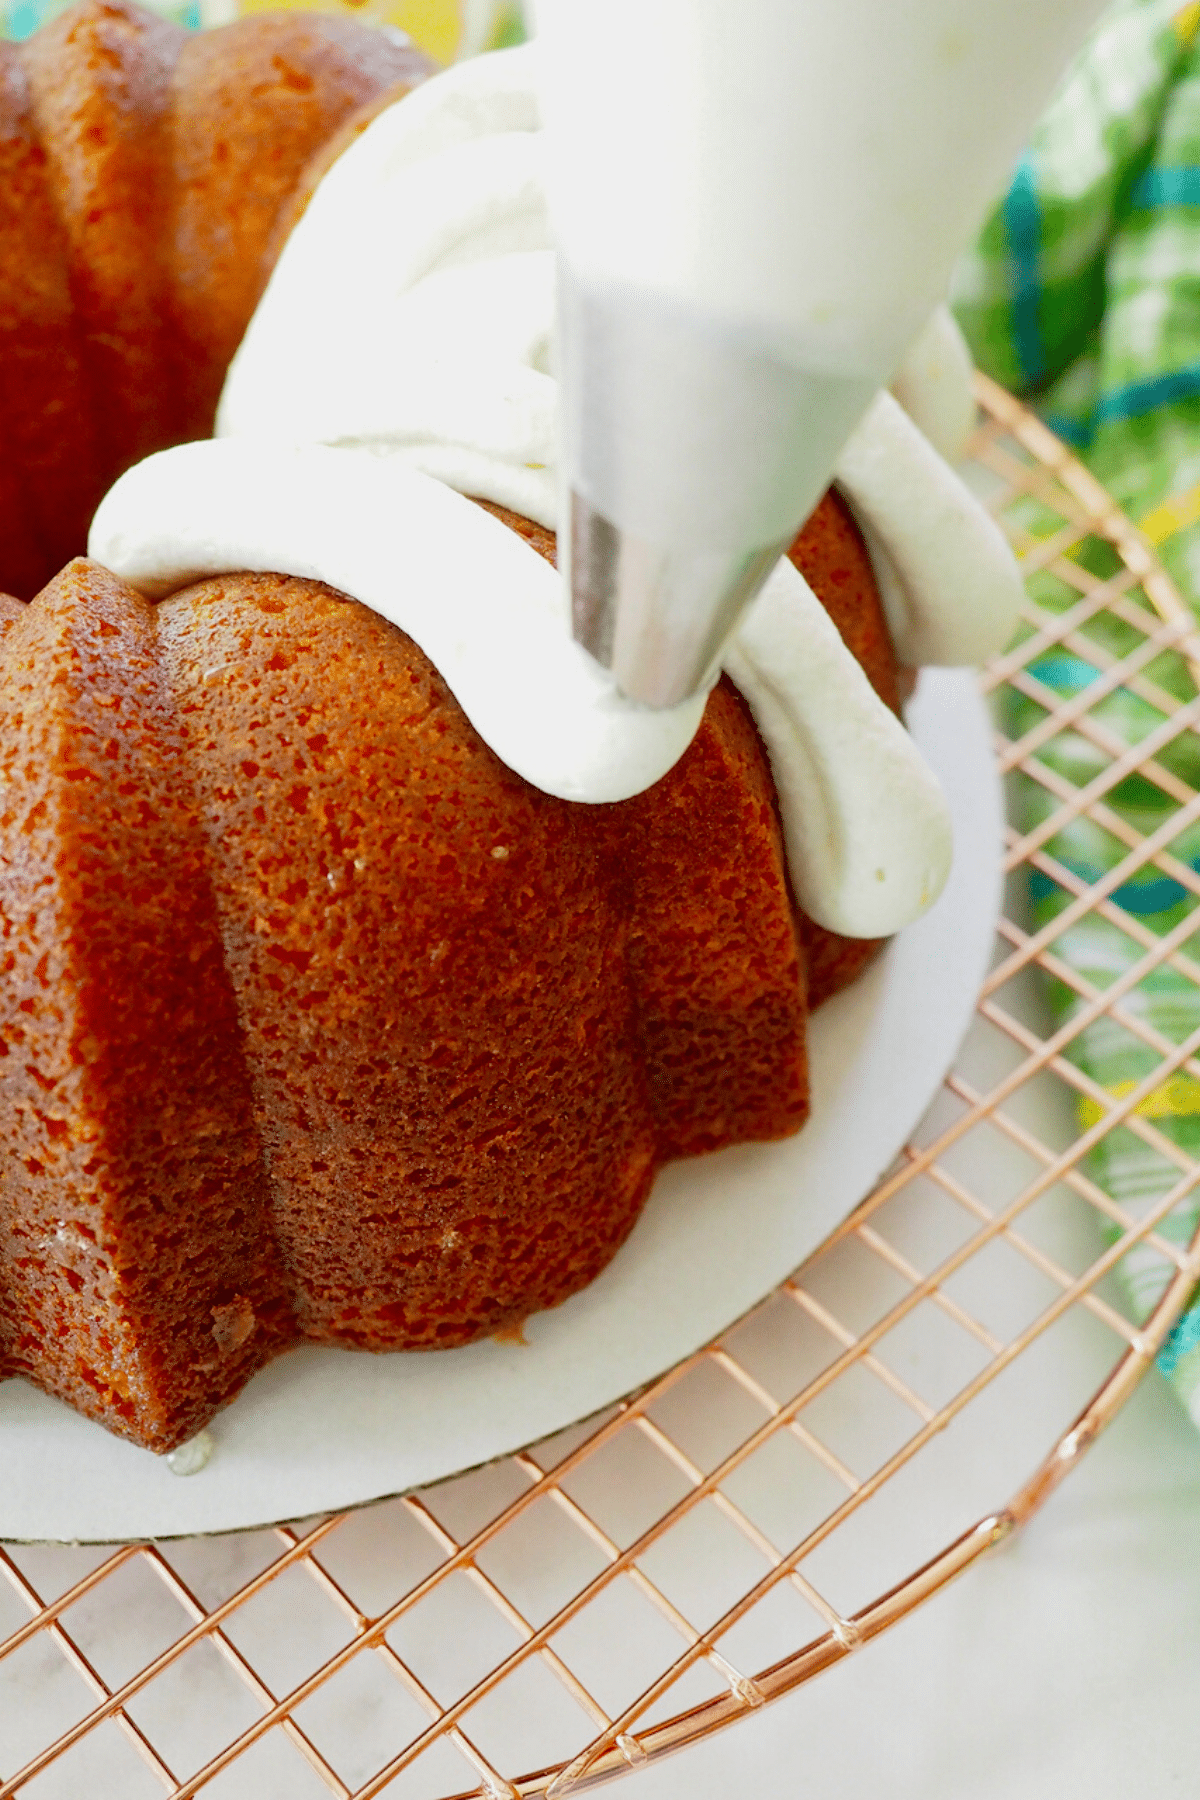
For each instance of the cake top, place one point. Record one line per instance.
(402, 351)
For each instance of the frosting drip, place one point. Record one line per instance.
(864, 820)
(946, 575)
(484, 607)
(416, 296)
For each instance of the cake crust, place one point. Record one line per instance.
(321, 1023)
(142, 171)
(316, 1021)
(830, 553)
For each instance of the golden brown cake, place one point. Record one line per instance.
(831, 555)
(317, 1022)
(143, 169)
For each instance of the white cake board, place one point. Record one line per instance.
(323, 1429)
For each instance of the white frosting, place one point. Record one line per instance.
(407, 328)
(933, 385)
(946, 575)
(485, 608)
(193, 1456)
(417, 294)
(864, 820)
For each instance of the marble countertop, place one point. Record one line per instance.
(1065, 1666)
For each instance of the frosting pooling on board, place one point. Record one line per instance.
(416, 298)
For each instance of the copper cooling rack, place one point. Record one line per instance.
(773, 1502)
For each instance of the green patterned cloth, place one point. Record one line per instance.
(1083, 294)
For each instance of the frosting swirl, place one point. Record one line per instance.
(407, 334)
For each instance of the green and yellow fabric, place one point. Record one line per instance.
(1083, 294)
(447, 29)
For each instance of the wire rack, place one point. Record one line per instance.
(773, 1502)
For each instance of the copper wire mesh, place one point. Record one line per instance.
(778, 1499)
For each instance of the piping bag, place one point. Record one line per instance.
(757, 205)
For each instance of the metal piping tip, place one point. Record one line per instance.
(658, 618)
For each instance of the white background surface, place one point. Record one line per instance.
(1064, 1666)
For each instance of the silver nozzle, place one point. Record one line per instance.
(692, 452)
(657, 618)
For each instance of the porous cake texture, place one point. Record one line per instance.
(318, 1022)
(144, 171)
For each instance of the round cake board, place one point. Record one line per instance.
(324, 1429)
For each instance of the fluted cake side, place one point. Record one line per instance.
(320, 1023)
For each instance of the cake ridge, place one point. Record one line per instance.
(390, 1065)
(44, 497)
(143, 172)
(331, 1026)
(397, 1041)
(403, 1035)
(139, 1258)
(100, 93)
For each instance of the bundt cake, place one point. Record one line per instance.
(143, 172)
(320, 1022)
(327, 1010)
